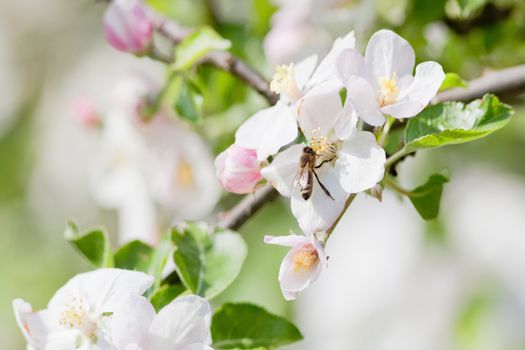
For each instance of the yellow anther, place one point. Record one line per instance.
(283, 82)
(305, 258)
(388, 90)
(185, 176)
(322, 146)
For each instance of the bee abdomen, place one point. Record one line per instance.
(306, 192)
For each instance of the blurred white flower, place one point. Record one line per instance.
(344, 161)
(301, 266)
(272, 128)
(183, 324)
(85, 313)
(381, 82)
(127, 26)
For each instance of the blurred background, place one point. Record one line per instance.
(393, 282)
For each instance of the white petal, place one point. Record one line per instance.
(292, 282)
(185, 321)
(68, 339)
(101, 288)
(286, 241)
(388, 53)
(304, 69)
(34, 325)
(130, 321)
(350, 62)
(346, 126)
(319, 212)
(283, 169)
(364, 99)
(361, 163)
(403, 109)
(319, 110)
(268, 130)
(327, 67)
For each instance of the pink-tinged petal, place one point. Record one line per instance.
(127, 26)
(304, 69)
(319, 212)
(35, 326)
(388, 53)
(283, 169)
(364, 99)
(184, 322)
(299, 269)
(129, 323)
(327, 68)
(361, 163)
(286, 241)
(350, 62)
(268, 130)
(238, 169)
(319, 110)
(101, 289)
(85, 112)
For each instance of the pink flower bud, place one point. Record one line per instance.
(85, 112)
(127, 26)
(238, 169)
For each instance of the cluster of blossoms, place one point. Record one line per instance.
(105, 310)
(337, 158)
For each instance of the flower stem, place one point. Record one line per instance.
(384, 132)
(394, 157)
(389, 181)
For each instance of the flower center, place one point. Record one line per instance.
(76, 315)
(388, 90)
(284, 82)
(322, 146)
(185, 176)
(305, 258)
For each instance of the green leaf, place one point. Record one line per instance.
(426, 198)
(454, 122)
(189, 102)
(205, 263)
(93, 244)
(246, 326)
(134, 255)
(165, 294)
(452, 80)
(196, 46)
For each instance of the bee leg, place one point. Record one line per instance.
(324, 161)
(325, 190)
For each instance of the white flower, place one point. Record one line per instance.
(82, 314)
(381, 82)
(184, 324)
(301, 266)
(272, 128)
(346, 161)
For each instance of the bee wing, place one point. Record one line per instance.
(301, 178)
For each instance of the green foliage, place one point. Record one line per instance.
(454, 122)
(189, 102)
(246, 326)
(426, 198)
(165, 294)
(196, 46)
(93, 244)
(206, 263)
(452, 80)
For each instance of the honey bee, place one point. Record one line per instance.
(306, 173)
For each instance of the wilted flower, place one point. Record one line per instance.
(238, 169)
(83, 313)
(127, 26)
(182, 324)
(381, 82)
(344, 161)
(301, 266)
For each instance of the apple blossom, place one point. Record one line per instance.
(238, 169)
(381, 82)
(127, 26)
(347, 161)
(272, 128)
(82, 314)
(85, 112)
(183, 324)
(301, 266)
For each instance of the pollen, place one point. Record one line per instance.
(388, 90)
(76, 315)
(305, 258)
(322, 146)
(283, 82)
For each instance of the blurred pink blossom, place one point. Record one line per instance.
(127, 26)
(238, 169)
(85, 112)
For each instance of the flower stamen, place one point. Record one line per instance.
(388, 90)
(305, 258)
(284, 82)
(322, 146)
